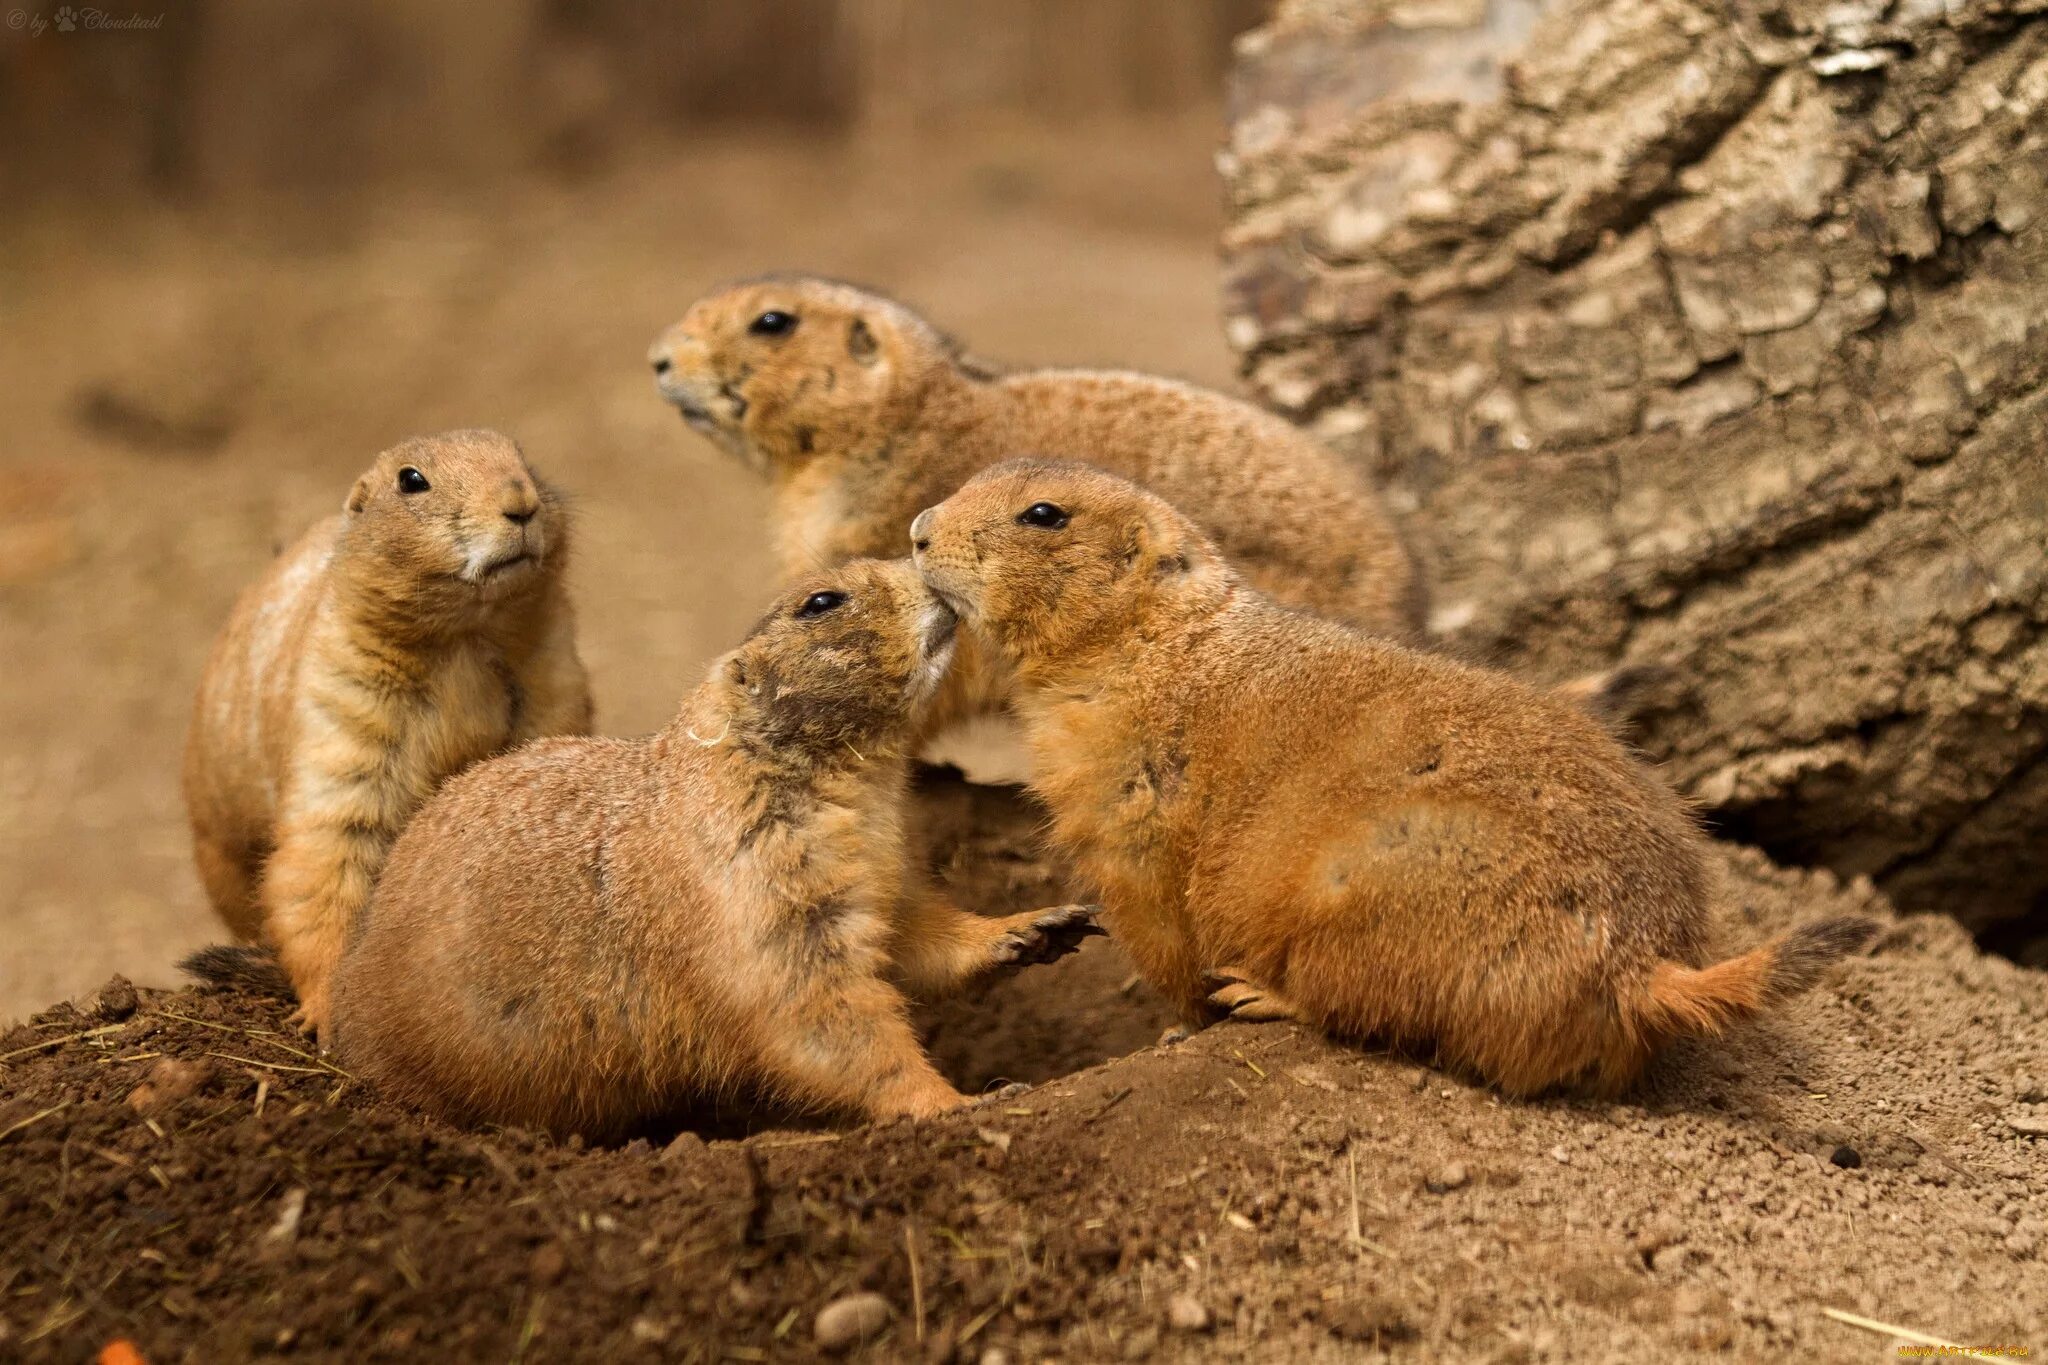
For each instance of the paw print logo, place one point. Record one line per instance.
(67, 19)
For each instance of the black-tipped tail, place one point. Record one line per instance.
(1685, 1001)
(240, 967)
(1808, 951)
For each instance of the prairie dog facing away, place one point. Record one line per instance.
(860, 413)
(425, 626)
(590, 935)
(1287, 818)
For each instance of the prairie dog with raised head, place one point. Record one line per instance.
(860, 413)
(1287, 818)
(592, 935)
(422, 628)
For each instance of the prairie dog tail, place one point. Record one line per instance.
(1682, 1001)
(240, 967)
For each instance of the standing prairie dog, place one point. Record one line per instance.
(592, 935)
(861, 413)
(1290, 819)
(422, 628)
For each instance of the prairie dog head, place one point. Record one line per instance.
(781, 369)
(1046, 558)
(846, 660)
(458, 516)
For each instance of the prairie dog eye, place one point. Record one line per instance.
(818, 603)
(1048, 516)
(410, 480)
(773, 323)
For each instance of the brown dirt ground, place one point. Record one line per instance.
(1317, 1202)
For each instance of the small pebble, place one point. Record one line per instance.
(995, 1355)
(1667, 1259)
(1561, 1155)
(1452, 1177)
(114, 1001)
(1848, 1158)
(547, 1263)
(846, 1322)
(1186, 1313)
(284, 1229)
(1662, 1233)
(169, 1080)
(687, 1146)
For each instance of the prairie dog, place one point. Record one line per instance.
(422, 628)
(1287, 818)
(861, 413)
(589, 935)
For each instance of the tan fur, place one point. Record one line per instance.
(1289, 818)
(391, 647)
(592, 935)
(863, 414)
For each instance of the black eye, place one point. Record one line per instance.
(410, 480)
(773, 324)
(818, 603)
(1046, 515)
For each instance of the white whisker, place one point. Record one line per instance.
(710, 743)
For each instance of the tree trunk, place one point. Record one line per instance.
(1703, 335)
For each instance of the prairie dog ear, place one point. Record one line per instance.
(1167, 548)
(861, 343)
(359, 496)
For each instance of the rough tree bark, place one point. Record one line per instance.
(1706, 335)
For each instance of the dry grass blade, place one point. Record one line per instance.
(916, 1280)
(263, 1036)
(802, 1140)
(278, 1066)
(1906, 1334)
(49, 1043)
(1357, 1229)
(1112, 1102)
(11, 1129)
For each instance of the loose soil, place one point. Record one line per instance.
(176, 1171)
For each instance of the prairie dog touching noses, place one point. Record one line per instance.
(422, 628)
(860, 413)
(593, 935)
(1287, 818)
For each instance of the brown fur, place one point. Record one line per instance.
(1288, 818)
(590, 935)
(389, 648)
(864, 413)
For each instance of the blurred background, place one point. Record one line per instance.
(245, 244)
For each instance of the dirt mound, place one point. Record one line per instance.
(175, 1169)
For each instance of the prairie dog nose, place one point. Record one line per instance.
(662, 354)
(920, 530)
(520, 502)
